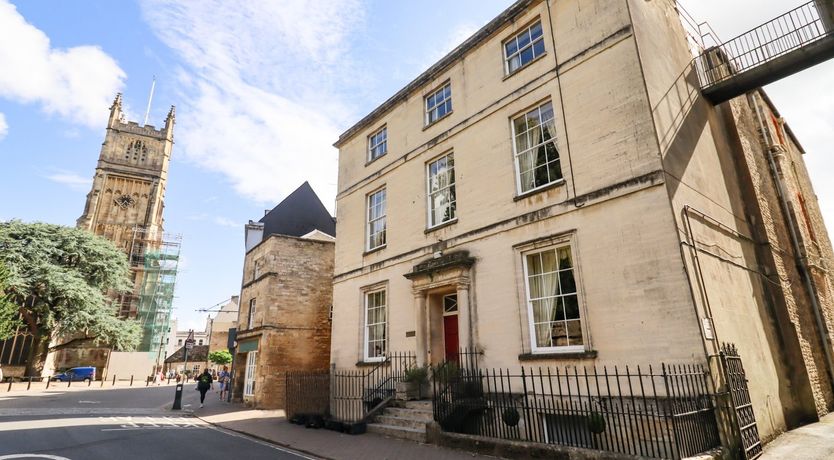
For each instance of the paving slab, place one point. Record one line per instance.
(810, 442)
(272, 426)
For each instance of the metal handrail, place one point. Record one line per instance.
(790, 31)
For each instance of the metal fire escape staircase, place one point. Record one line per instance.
(790, 43)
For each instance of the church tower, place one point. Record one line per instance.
(129, 185)
(128, 194)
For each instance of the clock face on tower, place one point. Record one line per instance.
(125, 200)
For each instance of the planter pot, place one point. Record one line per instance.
(355, 428)
(407, 391)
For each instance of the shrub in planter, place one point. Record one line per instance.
(510, 416)
(355, 428)
(334, 425)
(413, 383)
(596, 423)
(314, 421)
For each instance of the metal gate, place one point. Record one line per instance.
(745, 420)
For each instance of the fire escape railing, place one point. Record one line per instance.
(788, 32)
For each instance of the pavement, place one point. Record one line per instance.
(810, 442)
(272, 426)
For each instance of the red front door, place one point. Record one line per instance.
(450, 337)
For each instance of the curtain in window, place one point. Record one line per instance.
(544, 289)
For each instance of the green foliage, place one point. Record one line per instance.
(510, 416)
(417, 374)
(446, 372)
(59, 277)
(220, 357)
(9, 316)
(596, 423)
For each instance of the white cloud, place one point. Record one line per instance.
(76, 84)
(4, 127)
(71, 180)
(261, 88)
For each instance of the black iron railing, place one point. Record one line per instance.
(661, 413)
(346, 395)
(790, 31)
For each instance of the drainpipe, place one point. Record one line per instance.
(800, 260)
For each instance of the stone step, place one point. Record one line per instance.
(400, 432)
(401, 421)
(414, 414)
(419, 405)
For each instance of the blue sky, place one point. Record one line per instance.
(262, 90)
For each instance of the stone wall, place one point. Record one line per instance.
(293, 295)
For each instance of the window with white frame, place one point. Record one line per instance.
(441, 190)
(378, 144)
(439, 104)
(536, 154)
(376, 325)
(252, 309)
(553, 300)
(376, 219)
(523, 48)
(249, 377)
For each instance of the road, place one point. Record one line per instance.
(122, 423)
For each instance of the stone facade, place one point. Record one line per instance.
(288, 280)
(219, 325)
(666, 204)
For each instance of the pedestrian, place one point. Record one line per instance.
(223, 380)
(160, 377)
(204, 385)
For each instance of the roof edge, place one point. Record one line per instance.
(440, 66)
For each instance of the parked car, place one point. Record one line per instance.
(77, 374)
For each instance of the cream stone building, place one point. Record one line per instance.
(556, 192)
(285, 298)
(220, 324)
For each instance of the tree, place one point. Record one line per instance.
(220, 357)
(61, 281)
(9, 316)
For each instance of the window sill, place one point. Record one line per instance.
(438, 120)
(367, 163)
(518, 70)
(439, 226)
(587, 354)
(376, 249)
(369, 363)
(535, 191)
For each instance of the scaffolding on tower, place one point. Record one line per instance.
(154, 259)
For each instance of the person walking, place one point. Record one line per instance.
(204, 385)
(223, 380)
